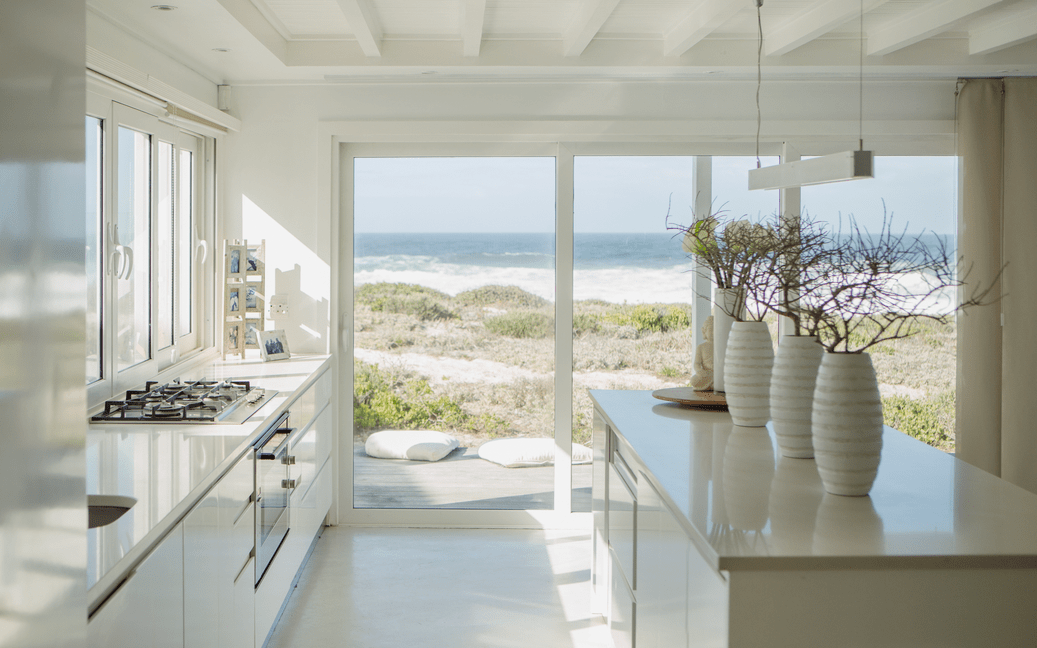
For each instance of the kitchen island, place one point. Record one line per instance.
(175, 472)
(705, 536)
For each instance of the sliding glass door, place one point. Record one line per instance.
(453, 332)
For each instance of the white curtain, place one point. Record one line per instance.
(996, 425)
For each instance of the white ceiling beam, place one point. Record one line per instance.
(1010, 29)
(473, 14)
(590, 16)
(814, 21)
(259, 26)
(922, 23)
(703, 20)
(362, 20)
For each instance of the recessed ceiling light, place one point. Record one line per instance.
(221, 50)
(428, 72)
(163, 7)
(714, 72)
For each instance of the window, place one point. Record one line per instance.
(144, 226)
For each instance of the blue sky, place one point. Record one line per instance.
(628, 194)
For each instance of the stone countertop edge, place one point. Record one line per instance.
(108, 582)
(1015, 556)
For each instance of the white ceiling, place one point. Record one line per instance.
(341, 41)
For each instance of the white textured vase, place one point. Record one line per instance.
(792, 393)
(725, 300)
(847, 423)
(749, 359)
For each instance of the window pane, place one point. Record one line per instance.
(133, 293)
(185, 303)
(165, 224)
(916, 374)
(454, 319)
(94, 253)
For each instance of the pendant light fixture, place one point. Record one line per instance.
(837, 167)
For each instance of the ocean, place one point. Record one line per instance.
(617, 268)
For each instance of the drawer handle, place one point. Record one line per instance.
(243, 568)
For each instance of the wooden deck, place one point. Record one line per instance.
(461, 480)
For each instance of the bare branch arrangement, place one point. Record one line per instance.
(852, 290)
(860, 295)
(738, 254)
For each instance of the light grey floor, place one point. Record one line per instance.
(461, 480)
(456, 588)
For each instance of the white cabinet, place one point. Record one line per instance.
(148, 608)
(202, 562)
(236, 574)
(662, 572)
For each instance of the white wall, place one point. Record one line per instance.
(271, 186)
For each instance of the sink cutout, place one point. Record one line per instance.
(105, 509)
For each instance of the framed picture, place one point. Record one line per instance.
(251, 334)
(233, 299)
(253, 297)
(232, 336)
(254, 260)
(273, 345)
(237, 260)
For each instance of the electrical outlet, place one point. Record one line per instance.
(278, 306)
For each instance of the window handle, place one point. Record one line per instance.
(128, 255)
(115, 261)
(203, 245)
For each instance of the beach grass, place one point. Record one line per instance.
(506, 335)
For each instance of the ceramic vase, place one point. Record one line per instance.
(748, 363)
(725, 301)
(792, 393)
(847, 423)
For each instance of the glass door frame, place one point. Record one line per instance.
(561, 515)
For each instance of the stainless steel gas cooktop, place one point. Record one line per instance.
(200, 401)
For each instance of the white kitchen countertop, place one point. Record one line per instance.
(168, 467)
(748, 508)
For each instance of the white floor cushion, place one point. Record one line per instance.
(416, 445)
(520, 453)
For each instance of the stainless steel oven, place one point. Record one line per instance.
(273, 491)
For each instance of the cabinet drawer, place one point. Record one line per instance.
(235, 490)
(149, 604)
(311, 402)
(622, 611)
(622, 522)
(241, 619)
(242, 537)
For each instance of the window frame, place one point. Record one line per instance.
(144, 118)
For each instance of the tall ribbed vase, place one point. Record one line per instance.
(749, 358)
(792, 393)
(725, 301)
(847, 423)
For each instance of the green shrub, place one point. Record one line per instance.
(506, 296)
(647, 318)
(373, 293)
(584, 323)
(385, 400)
(930, 420)
(420, 301)
(521, 324)
(423, 307)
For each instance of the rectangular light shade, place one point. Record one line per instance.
(837, 167)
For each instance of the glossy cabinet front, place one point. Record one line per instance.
(202, 562)
(148, 608)
(236, 571)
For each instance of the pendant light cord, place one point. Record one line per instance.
(759, 78)
(860, 90)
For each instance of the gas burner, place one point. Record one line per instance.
(200, 401)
